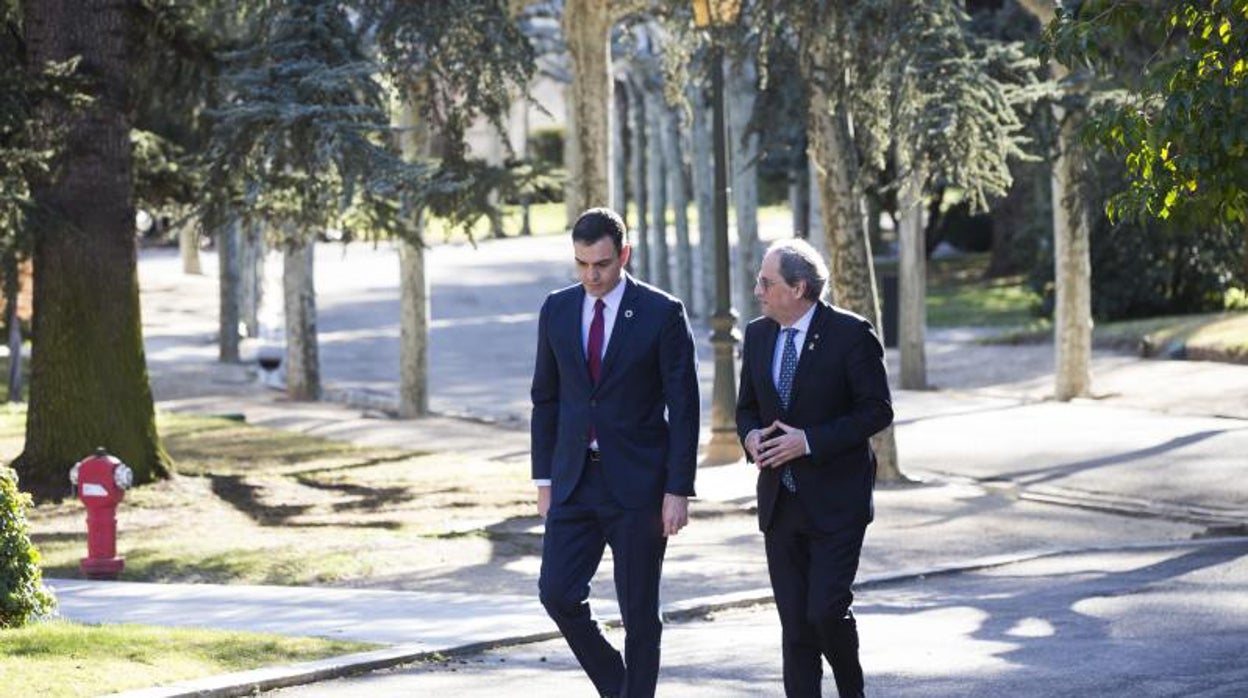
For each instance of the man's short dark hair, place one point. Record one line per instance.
(597, 223)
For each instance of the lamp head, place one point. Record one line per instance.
(715, 13)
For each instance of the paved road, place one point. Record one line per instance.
(1159, 622)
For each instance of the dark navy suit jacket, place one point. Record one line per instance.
(644, 408)
(840, 398)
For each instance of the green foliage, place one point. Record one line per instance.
(464, 57)
(304, 136)
(1177, 122)
(28, 141)
(920, 88)
(957, 102)
(546, 145)
(1150, 266)
(164, 176)
(307, 123)
(22, 594)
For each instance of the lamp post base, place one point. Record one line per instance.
(723, 449)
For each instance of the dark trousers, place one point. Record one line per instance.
(811, 574)
(577, 532)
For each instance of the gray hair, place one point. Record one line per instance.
(801, 262)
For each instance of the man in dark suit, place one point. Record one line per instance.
(615, 439)
(813, 391)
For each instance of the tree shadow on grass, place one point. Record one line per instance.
(245, 497)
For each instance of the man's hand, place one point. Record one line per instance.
(543, 500)
(752, 440)
(675, 513)
(781, 449)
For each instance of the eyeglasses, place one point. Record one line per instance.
(766, 283)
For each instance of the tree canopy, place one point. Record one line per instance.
(1177, 117)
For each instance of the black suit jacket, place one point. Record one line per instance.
(840, 398)
(644, 407)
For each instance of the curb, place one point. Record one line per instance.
(247, 683)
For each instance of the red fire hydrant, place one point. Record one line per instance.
(101, 482)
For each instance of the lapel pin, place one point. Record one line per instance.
(628, 313)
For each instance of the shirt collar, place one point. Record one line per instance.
(614, 297)
(803, 322)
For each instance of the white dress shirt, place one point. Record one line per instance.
(802, 326)
(611, 302)
(799, 338)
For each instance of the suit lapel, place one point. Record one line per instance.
(765, 359)
(576, 327)
(815, 336)
(625, 318)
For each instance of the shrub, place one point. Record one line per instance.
(1151, 267)
(22, 593)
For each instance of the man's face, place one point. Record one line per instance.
(778, 300)
(598, 266)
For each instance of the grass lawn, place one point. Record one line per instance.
(959, 296)
(260, 506)
(62, 660)
(544, 219)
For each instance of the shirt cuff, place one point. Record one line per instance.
(806, 442)
(546, 482)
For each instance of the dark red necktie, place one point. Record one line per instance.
(593, 351)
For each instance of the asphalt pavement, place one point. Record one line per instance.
(1165, 621)
(1047, 549)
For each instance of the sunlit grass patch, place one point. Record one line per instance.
(58, 659)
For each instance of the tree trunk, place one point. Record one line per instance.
(229, 273)
(89, 385)
(1072, 315)
(640, 231)
(912, 284)
(818, 239)
(413, 281)
(1023, 205)
(188, 246)
(656, 182)
(799, 196)
(587, 31)
(251, 291)
(12, 293)
(703, 165)
(674, 157)
(849, 249)
(303, 367)
(495, 157)
(743, 160)
(414, 329)
(619, 154)
(571, 163)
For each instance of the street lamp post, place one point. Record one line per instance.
(724, 446)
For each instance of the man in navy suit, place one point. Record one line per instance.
(813, 391)
(615, 439)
